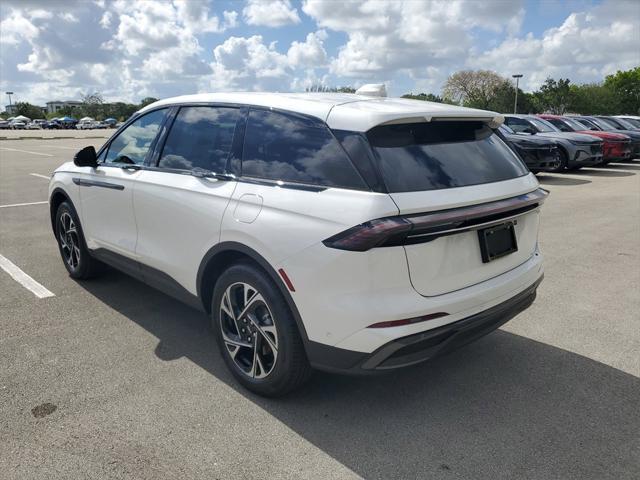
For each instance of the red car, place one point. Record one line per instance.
(617, 146)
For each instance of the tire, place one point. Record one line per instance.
(267, 326)
(73, 248)
(564, 161)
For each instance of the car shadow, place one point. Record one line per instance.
(503, 407)
(624, 166)
(601, 172)
(558, 180)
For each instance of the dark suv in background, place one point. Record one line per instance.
(576, 150)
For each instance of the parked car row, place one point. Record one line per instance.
(24, 123)
(556, 143)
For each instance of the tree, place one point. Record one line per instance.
(626, 87)
(326, 89)
(28, 110)
(593, 99)
(93, 105)
(427, 97)
(554, 96)
(147, 101)
(474, 88)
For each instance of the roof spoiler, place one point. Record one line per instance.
(493, 121)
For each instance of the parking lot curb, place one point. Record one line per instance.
(49, 138)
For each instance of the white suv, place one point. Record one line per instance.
(341, 232)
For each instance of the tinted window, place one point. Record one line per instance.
(542, 125)
(133, 143)
(587, 124)
(200, 137)
(559, 124)
(294, 149)
(518, 125)
(431, 156)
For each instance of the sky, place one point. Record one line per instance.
(131, 49)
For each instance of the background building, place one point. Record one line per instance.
(57, 105)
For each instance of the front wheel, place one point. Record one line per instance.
(256, 332)
(563, 161)
(73, 249)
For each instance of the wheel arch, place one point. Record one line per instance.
(225, 254)
(58, 196)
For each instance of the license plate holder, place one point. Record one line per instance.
(497, 241)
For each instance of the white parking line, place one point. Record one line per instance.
(22, 204)
(47, 177)
(23, 279)
(26, 151)
(60, 146)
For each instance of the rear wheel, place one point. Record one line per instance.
(256, 332)
(73, 250)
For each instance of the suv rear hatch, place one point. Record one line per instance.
(486, 201)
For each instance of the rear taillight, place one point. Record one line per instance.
(371, 234)
(409, 229)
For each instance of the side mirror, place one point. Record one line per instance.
(86, 158)
(530, 130)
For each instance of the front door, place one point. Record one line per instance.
(106, 192)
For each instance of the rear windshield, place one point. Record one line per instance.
(431, 156)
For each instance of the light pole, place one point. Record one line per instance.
(517, 76)
(10, 93)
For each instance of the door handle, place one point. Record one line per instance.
(132, 168)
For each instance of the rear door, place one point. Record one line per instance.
(440, 166)
(179, 211)
(106, 192)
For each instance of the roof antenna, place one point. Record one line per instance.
(372, 90)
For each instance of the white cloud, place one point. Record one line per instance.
(128, 49)
(247, 63)
(588, 45)
(16, 28)
(385, 38)
(270, 13)
(310, 53)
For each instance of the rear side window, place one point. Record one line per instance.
(200, 137)
(291, 148)
(432, 156)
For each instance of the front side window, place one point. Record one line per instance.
(542, 125)
(518, 125)
(200, 138)
(132, 145)
(559, 124)
(604, 124)
(587, 124)
(574, 124)
(294, 149)
(634, 122)
(435, 155)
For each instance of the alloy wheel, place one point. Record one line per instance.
(248, 330)
(69, 240)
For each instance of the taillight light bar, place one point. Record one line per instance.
(408, 229)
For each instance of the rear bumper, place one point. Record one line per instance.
(423, 346)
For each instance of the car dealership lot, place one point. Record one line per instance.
(140, 391)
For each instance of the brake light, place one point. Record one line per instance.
(420, 228)
(408, 321)
(369, 235)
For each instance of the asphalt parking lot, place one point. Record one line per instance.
(110, 379)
